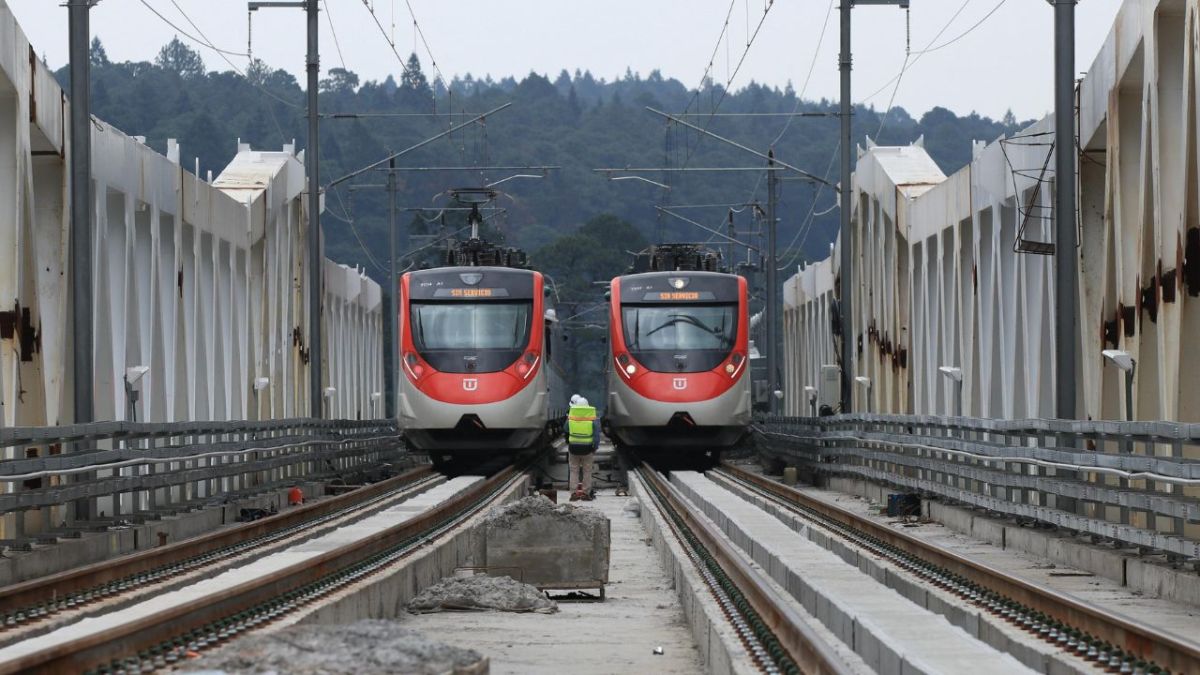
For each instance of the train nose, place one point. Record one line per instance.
(681, 420)
(469, 422)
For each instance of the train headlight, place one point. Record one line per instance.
(414, 365)
(730, 368)
(631, 369)
(525, 365)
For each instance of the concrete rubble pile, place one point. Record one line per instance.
(537, 506)
(482, 592)
(370, 647)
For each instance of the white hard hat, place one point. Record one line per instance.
(575, 399)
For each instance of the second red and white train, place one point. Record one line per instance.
(678, 377)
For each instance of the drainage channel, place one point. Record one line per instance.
(38, 601)
(776, 639)
(1112, 643)
(160, 636)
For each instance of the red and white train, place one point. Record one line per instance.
(476, 380)
(678, 377)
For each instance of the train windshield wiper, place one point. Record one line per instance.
(687, 318)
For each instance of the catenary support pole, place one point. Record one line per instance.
(846, 259)
(845, 269)
(81, 225)
(391, 361)
(81, 207)
(315, 266)
(1066, 292)
(772, 328)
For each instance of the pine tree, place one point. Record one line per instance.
(180, 59)
(98, 57)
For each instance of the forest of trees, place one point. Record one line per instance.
(575, 121)
(578, 226)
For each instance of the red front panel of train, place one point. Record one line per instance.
(471, 335)
(679, 337)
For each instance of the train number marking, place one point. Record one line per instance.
(680, 383)
(470, 383)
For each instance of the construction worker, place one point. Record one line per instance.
(583, 437)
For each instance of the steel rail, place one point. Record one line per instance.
(1105, 630)
(282, 588)
(807, 649)
(57, 587)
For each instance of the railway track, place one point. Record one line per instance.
(777, 639)
(1110, 642)
(30, 607)
(168, 627)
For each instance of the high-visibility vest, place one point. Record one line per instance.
(579, 424)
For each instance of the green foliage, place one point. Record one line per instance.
(577, 121)
(580, 264)
(175, 57)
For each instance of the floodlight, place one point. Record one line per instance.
(135, 373)
(261, 383)
(951, 372)
(330, 391)
(1119, 358)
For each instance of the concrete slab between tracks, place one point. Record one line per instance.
(717, 641)
(1029, 650)
(386, 595)
(705, 616)
(618, 635)
(93, 547)
(367, 527)
(1141, 575)
(890, 633)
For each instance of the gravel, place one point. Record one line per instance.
(508, 515)
(482, 592)
(370, 647)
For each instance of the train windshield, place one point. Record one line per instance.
(462, 337)
(680, 338)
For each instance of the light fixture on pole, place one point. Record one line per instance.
(260, 383)
(1126, 363)
(375, 396)
(329, 392)
(810, 392)
(133, 374)
(955, 375)
(865, 383)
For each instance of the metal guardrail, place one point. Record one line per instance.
(114, 471)
(1135, 483)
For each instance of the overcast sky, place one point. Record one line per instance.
(1006, 62)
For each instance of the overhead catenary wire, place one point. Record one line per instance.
(729, 80)
(806, 227)
(333, 31)
(203, 41)
(437, 71)
(930, 48)
(910, 58)
(391, 42)
(800, 101)
(348, 218)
